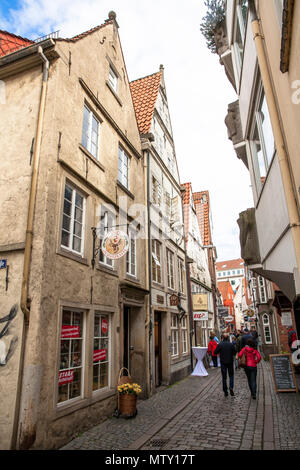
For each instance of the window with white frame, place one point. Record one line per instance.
(167, 204)
(131, 253)
(156, 261)
(123, 172)
(279, 11)
(101, 351)
(107, 222)
(71, 368)
(174, 335)
(267, 329)
(184, 335)
(170, 269)
(72, 234)
(156, 191)
(181, 272)
(113, 79)
(239, 31)
(262, 290)
(90, 132)
(262, 140)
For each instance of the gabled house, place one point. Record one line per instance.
(199, 274)
(73, 171)
(170, 342)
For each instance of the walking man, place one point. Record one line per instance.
(227, 353)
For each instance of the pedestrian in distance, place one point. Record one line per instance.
(292, 336)
(227, 352)
(252, 358)
(247, 336)
(211, 349)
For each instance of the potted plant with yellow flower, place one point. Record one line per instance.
(127, 395)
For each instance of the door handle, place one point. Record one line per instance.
(131, 348)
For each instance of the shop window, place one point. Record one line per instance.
(101, 352)
(267, 329)
(70, 376)
(73, 220)
(174, 335)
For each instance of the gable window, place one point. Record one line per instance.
(113, 79)
(71, 368)
(101, 351)
(170, 269)
(156, 191)
(90, 132)
(131, 254)
(73, 220)
(123, 172)
(262, 141)
(107, 222)
(156, 261)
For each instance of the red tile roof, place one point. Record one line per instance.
(225, 288)
(85, 33)
(10, 43)
(144, 93)
(231, 264)
(201, 202)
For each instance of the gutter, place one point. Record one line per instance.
(28, 242)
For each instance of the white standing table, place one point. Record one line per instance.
(199, 354)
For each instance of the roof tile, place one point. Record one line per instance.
(144, 93)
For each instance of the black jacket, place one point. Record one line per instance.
(227, 352)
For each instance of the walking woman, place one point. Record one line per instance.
(253, 357)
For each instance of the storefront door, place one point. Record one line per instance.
(158, 355)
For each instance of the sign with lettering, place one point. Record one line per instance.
(283, 373)
(286, 319)
(69, 331)
(3, 263)
(200, 316)
(65, 377)
(173, 300)
(200, 302)
(115, 244)
(99, 355)
(104, 325)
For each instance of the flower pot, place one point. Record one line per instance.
(127, 404)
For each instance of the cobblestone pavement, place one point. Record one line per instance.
(194, 415)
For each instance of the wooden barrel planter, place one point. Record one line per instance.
(126, 402)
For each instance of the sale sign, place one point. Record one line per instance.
(99, 355)
(65, 377)
(104, 325)
(69, 331)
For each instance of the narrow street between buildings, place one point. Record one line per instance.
(194, 415)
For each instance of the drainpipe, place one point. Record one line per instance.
(278, 134)
(148, 277)
(29, 236)
(149, 273)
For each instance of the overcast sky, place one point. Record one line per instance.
(165, 32)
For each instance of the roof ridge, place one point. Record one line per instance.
(82, 35)
(16, 35)
(146, 76)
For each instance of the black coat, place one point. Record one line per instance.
(227, 352)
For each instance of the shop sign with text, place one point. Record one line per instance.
(99, 355)
(200, 302)
(69, 331)
(65, 377)
(200, 316)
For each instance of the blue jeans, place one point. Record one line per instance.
(224, 369)
(251, 373)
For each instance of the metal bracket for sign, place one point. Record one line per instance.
(97, 249)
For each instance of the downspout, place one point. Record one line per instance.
(149, 272)
(29, 236)
(278, 135)
(148, 277)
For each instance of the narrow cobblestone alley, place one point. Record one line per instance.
(194, 415)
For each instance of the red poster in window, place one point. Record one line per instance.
(65, 377)
(104, 325)
(99, 355)
(69, 331)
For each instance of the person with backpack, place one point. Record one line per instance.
(211, 349)
(250, 357)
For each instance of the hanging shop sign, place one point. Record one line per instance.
(173, 300)
(99, 355)
(250, 313)
(65, 377)
(200, 316)
(3, 263)
(115, 244)
(229, 318)
(69, 331)
(200, 302)
(104, 325)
